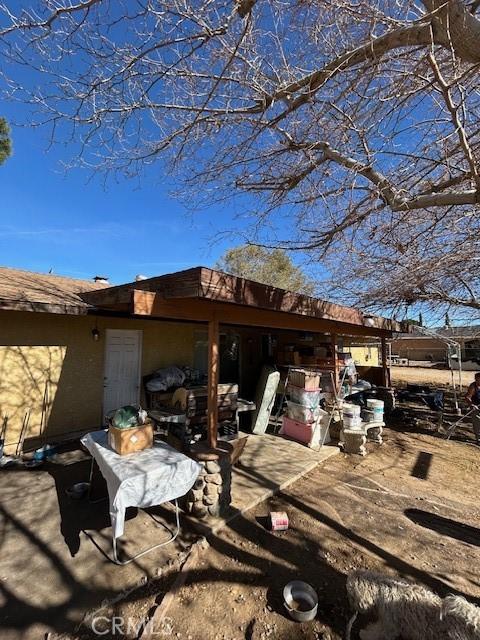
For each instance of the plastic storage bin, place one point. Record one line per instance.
(308, 434)
(306, 397)
(301, 413)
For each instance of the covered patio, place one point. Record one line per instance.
(215, 299)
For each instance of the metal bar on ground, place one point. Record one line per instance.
(173, 535)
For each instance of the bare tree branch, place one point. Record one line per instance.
(342, 128)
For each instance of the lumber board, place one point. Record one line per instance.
(223, 287)
(150, 304)
(211, 286)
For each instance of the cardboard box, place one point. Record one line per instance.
(291, 357)
(309, 380)
(125, 441)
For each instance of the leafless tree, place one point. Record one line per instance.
(354, 125)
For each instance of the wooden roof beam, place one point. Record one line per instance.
(209, 285)
(113, 298)
(146, 303)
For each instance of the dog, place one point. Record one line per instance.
(461, 619)
(409, 611)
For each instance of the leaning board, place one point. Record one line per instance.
(264, 399)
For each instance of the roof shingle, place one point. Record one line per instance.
(29, 291)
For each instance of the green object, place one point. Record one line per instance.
(125, 417)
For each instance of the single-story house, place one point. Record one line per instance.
(71, 350)
(416, 346)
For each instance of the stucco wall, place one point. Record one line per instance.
(365, 355)
(51, 367)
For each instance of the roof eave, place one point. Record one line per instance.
(44, 307)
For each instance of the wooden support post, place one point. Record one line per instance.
(389, 360)
(213, 373)
(385, 365)
(335, 361)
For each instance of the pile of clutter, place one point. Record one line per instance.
(19, 460)
(173, 377)
(361, 424)
(305, 420)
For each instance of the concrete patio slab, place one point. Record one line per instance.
(51, 573)
(270, 463)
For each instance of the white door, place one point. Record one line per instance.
(121, 384)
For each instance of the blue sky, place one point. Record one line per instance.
(79, 227)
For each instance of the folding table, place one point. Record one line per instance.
(141, 479)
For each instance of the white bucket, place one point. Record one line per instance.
(352, 422)
(377, 406)
(351, 410)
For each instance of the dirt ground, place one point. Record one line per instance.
(429, 376)
(409, 508)
(404, 509)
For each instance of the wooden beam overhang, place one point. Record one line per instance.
(385, 364)
(207, 285)
(147, 303)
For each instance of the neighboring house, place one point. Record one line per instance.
(71, 350)
(419, 347)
